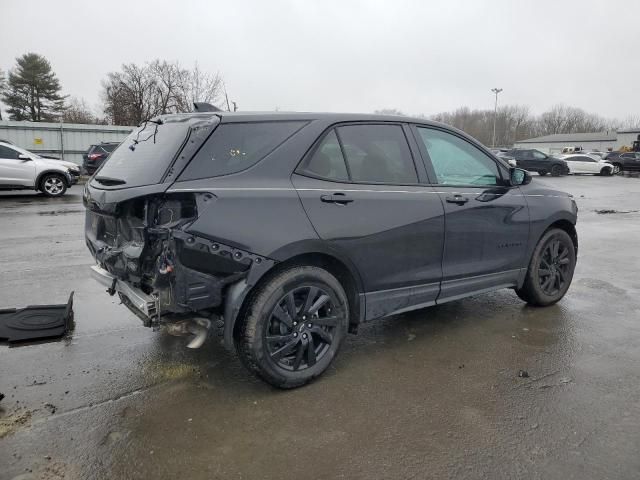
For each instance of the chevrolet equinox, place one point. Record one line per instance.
(285, 231)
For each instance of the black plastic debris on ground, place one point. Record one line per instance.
(36, 322)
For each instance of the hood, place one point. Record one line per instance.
(50, 162)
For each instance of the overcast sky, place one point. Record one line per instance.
(343, 55)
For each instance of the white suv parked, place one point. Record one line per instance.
(22, 170)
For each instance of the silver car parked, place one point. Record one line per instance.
(21, 169)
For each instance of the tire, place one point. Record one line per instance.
(556, 171)
(542, 172)
(53, 185)
(537, 290)
(617, 169)
(606, 171)
(289, 350)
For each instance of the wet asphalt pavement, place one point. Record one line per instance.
(431, 394)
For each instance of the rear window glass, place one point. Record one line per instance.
(144, 156)
(234, 147)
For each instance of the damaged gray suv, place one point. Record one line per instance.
(285, 231)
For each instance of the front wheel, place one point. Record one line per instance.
(542, 173)
(53, 185)
(550, 270)
(293, 326)
(605, 172)
(617, 168)
(556, 171)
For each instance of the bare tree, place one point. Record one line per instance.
(77, 111)
(3, 86)
(388, 111)
(138, 93)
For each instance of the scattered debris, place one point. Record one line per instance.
(523, 374)
(36, 322)
(51, 407)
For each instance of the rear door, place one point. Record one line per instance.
(13, 170)
(486, 219)
(361, 190)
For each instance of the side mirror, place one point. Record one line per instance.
(518, 176)
(22, 156)
(512, 162)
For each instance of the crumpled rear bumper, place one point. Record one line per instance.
(143, 305)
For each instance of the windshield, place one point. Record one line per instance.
(144, 156)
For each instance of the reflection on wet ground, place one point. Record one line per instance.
(430, 394)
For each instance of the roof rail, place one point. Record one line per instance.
(205, 107)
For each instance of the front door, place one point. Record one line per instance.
(486, 219)
(15, 171)
(361, 191)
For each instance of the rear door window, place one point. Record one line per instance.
(327, 161)
(377, 154)
(234, 147)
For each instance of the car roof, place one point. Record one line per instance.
(229, 117)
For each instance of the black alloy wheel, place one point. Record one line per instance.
(293, 326)
(553, 269)
(556, 171)
(301, 327)
(550, 269)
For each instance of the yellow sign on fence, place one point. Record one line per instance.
(37, 141)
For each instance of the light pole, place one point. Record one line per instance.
(495, 115)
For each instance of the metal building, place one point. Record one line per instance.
(67, 141)
(597, 141)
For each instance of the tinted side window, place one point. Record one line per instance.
(538, 155)
(327, 161)
(234, 147)
(6, 152)
(377, 154)
(456, 161)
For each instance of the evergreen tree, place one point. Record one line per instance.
(33, 90)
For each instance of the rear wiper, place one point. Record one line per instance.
(109, 181)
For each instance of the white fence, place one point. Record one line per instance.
(67, 141)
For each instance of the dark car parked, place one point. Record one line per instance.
(286, 231)
(97, 154)
(536, 161)
(624, 161)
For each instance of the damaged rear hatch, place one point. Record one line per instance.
(135, 230)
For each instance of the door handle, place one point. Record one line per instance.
(457, 199)
(339, 198)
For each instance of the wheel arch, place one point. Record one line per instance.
(567, 226)
(238, 299)
(41, 175)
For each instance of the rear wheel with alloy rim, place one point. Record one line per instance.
(53, 185)
(617, 168)
(293, 326)
(550, 270)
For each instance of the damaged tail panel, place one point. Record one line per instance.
(146, 254)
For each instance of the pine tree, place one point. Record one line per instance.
(33, 90)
